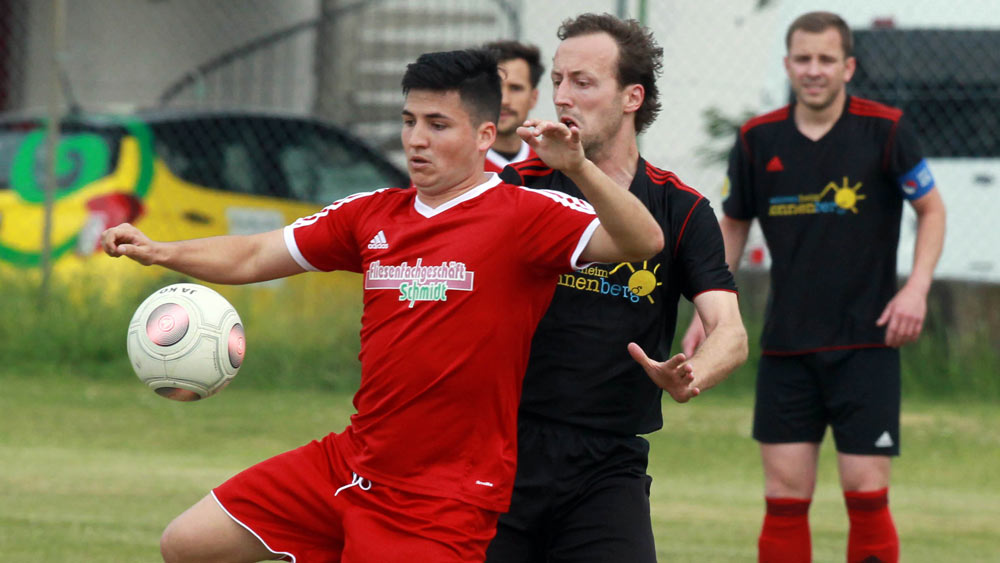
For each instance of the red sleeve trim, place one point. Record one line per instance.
(532, 167)
(715, 289)
(663, 177)
(823, 349)
(779, 114)
(869, 108)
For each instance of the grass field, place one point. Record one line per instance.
(92, 469)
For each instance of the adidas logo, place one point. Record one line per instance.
(884, 441)
(378, 242)
(775, 165)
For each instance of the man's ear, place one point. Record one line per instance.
(485, 135)
(634, 95)
(850, 65)
(534, 97)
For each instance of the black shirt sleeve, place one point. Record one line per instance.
(904, 150)
(510, 175)
(737, 192)
(701, 253)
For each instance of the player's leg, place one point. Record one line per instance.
(602, 514)
(789, 482)
(522, 532)
(610, 524)
(205, 532)
(388, 525)
(865, 404)
(789, 423)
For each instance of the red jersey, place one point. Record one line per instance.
(495, 162)
(452, 296)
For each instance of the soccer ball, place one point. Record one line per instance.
(186, 342)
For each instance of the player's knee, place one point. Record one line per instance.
(790, 484)
(175, 544)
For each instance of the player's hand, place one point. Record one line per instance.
(126, 240)
(675, 376)
(904, 317)
(555, 143)
(694, 336)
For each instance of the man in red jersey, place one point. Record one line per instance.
(827, 177)
(457, 273)
(520, 70)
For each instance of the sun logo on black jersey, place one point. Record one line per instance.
(642, 282)
(846, 196)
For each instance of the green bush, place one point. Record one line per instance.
(304, 334)
(295, 338)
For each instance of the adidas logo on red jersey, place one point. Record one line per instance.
(378, 242)
(775, 165)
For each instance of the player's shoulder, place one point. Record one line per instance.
(532, 167)
(766, 119)
(674, 187)
(865, 108)
(544, 196)
(379, 195)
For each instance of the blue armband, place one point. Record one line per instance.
(917, 181)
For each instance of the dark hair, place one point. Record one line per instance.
(818, 22)
(470, 72)
(508, 50)
(640, 58)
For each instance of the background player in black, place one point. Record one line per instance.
(581, 492)
(826, 178)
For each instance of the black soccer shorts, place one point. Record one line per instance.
(856, 392)
(579, 497)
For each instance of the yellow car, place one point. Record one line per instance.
(174, 174)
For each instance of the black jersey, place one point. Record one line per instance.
(830, 212)
(580, 372)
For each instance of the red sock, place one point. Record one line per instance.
(785, 535)
(872, 538)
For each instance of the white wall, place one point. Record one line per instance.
(125, 52)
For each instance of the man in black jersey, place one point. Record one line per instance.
(581, 492)
(827, 177)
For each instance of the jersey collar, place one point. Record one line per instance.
(428, 211)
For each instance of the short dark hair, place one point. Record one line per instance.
(640, 58)
(818, 22)
(472, 73)
(508, 50)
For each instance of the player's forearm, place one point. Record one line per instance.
(222, 259)
(928, 246)
(734, 235)
(629, 224)
(724, 349)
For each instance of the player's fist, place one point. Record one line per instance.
(126, 240)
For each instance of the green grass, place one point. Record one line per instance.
(92, 469)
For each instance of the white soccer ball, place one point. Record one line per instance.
(186, 342)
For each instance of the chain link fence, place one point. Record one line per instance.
(337, 65)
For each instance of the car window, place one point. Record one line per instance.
(238, 173)
(283, 157)
(323, 167)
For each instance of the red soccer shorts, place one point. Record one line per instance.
(292, 504)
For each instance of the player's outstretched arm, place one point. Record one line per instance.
(734, 235)
(724, 350)
(725, 346)
(223, 259)
(628, 231)
(904, 315)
